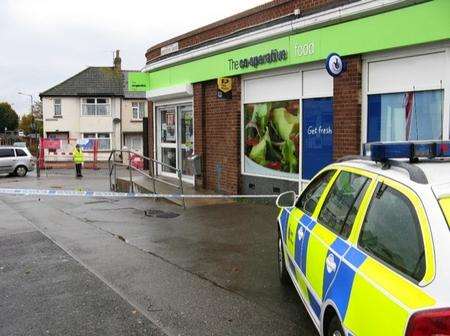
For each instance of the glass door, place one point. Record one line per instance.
(186, 140)
(167, 140)
(175, 139)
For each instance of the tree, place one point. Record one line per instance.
(8, 117)
(25, 123)
(29, 123)
(37, 109)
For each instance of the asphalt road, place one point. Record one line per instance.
(79, 266)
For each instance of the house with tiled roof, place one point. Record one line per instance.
(96, 104)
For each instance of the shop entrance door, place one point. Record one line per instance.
(175, 139)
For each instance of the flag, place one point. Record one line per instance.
(409, 105)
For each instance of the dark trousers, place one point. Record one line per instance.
(78, 169)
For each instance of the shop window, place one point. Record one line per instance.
(405, 116)
(138, 110)
(169, 158)
(317, 135)
(168, 128)
(95, 107)
(271, 138)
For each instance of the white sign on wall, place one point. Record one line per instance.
(169, 49)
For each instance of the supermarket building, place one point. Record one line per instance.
(251, 96)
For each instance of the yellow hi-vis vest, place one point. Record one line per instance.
(78, 156)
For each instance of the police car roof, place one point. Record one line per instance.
(437, 171)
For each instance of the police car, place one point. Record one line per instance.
(367, 243)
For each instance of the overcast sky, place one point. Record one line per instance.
(43, 42)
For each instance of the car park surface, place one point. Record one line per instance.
(197, 271)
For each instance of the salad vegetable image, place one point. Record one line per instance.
(272, 135)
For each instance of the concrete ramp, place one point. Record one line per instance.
(144, 185)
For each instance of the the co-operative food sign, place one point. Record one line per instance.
(273, 56)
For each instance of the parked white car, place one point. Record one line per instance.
(16, 161)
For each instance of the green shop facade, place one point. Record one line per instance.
(264, 115)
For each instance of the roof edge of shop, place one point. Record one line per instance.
(218, 23)
(256, 34)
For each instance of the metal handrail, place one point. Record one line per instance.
(113, 164)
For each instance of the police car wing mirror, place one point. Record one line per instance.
(286, 199)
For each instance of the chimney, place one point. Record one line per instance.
(117, 61)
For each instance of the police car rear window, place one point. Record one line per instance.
(391, 233)
(445, 206)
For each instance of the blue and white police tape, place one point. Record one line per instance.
(81, 193)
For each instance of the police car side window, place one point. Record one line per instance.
(339, 209)
(310, 196)
(391, 233)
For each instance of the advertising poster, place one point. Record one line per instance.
(317, 135)
(271, 138)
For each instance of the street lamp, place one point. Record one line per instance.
(31, 99)
(38, 165)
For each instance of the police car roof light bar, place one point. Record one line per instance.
(412, 150)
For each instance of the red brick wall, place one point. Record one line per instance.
(199, 143)
(347, 110)
(217, 135)
(151, 127)
(258, 15)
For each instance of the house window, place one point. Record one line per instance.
(405, 116)
(104, 141)
(138, 110)
(95, 107)
(57, 107)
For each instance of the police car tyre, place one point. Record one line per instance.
(21, 171)
(282, 271)
(335, 327)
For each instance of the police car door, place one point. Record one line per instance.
(393, 259)
(328, 239)
(295, 229)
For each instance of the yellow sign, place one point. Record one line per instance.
(225, 84)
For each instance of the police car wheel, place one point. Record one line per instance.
(335, 327)
(282, 271)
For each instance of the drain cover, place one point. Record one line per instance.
(160, 214)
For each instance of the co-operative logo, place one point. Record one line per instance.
(335, 65)
(273, 56)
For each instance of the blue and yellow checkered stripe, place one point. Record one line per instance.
(356, 281)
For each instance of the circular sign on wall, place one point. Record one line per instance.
(335, 65)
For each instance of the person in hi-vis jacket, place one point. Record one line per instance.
(78, 158)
